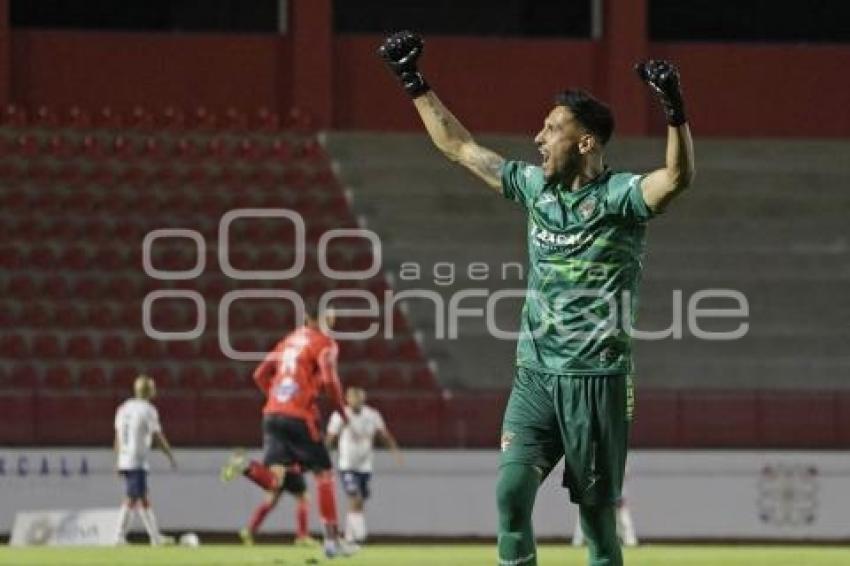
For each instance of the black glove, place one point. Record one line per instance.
(400, 52)
(663, 79)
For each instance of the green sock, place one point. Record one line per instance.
(515, 493)
(599, 523)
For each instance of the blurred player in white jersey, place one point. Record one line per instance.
(625, 523)
(137, 429)
(356, 441)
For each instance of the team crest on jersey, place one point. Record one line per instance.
(587, 208)
(546, 198)
(507, 438)
(286, 389)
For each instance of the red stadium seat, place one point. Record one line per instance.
(13, 346)
(141, 119)
(377, 349)
(148, 348)
(58, 377)
(151, 149)
(34, 315)
(281, 150)
(204, 119)
(181, 349)
(390, 378)
(173, 118)
(108, 118)
(92, 378)
(45, 117)
(46, 346)
(68, 316)
(21, 287)
(78, 118)
(10, 257)
(356, 377)
(75, 258)
(192, 377)
(122, 288)
(113, 347)
(210, 349)
(408, 349)
(267, 120)
(80, 347)
(235, 120)
(101, 316)
(123, 377)
(178, 409)
(229, 378)
(89, 288)
(17, 408)
(14, 116)
(109, 259)
(92, 413)
(423, 379)
(9, 316)
(24, 376)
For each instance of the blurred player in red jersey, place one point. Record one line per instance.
(292, 376)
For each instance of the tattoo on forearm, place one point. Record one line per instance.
(487, 164)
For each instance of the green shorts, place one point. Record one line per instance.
(583, 418)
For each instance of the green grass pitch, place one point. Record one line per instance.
(418, 555)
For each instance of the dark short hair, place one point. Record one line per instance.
(592, 114)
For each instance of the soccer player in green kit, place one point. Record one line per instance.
(572, 394)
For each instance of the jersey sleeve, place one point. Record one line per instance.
(521, 182)
(335, 423)
(378, 420)
(118, 415)
(265, 372)
(625, 198)
(327, 360)
(153, 420)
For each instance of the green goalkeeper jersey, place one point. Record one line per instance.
(584, 252)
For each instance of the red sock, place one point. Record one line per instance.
(259, 516)
(261, 475)
(327, 498)
(302, 516)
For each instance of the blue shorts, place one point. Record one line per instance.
(355, 483)
(136, 482)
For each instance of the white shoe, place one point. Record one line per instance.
(339, 547)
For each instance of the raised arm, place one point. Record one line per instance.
(455, 141)
(401, 52)
(662, 185)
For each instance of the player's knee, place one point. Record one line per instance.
(515, 490)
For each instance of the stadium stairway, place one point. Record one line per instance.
(78, 196)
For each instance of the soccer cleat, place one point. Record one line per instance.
(234, 466)
(247, 537)
(339, 547)
(348, 548)
(307, 542)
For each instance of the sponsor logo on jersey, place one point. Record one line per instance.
(286, 389)
(543, 236)
(546, 198)
(587, 208)
(507, 438)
